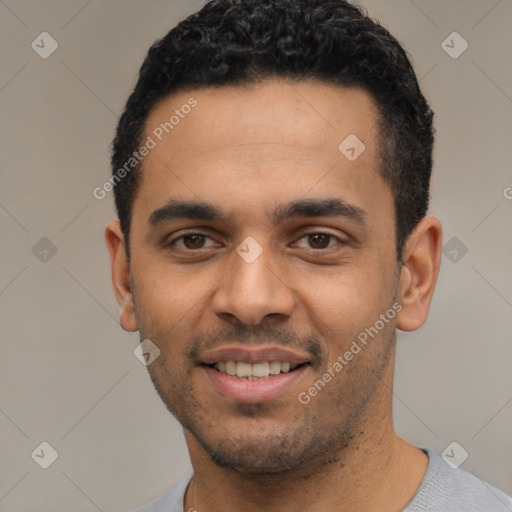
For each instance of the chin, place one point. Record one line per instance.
(298, 446)
(258, 462)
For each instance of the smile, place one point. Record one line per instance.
(253, 374)
(255, 371)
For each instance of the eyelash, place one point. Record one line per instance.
(186, 234)
(331, 236)
(304, 235)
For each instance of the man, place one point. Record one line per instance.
(271, 174)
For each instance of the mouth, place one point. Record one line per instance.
(254, 374)
(256, 371)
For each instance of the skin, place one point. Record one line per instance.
(248, 149)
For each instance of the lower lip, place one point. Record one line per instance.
(253, 391)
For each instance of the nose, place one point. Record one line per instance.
(252, 291)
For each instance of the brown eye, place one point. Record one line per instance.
(193, 241)
(319, 240)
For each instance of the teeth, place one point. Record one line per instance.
(253, 371)
(230, 368)
(244, 370)
(260, 369)
(275, 367)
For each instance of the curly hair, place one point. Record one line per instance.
(231, 42)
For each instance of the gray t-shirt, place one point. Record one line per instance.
(443, 489)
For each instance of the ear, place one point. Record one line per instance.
(418, 275)
(121, 275)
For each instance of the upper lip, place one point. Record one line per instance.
(253, 355)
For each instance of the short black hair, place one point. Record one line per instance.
(231, 42)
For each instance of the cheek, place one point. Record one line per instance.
(344, 307)
(345, 300)
(161, 299)
(171, 302)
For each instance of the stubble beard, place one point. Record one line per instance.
(306, 441)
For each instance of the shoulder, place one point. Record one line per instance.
(172, 501)
(448, 489)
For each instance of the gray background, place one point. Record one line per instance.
(68, 375)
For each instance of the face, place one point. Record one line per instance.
(260, 248)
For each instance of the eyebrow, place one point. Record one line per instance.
(176, 209)
(200, 210)
(328, 207)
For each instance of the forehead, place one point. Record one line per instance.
(260, 142)
(312, 115)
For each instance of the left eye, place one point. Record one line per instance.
(191, 241)
(320, 240)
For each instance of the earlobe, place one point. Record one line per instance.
(418, 277)
(120, 269)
